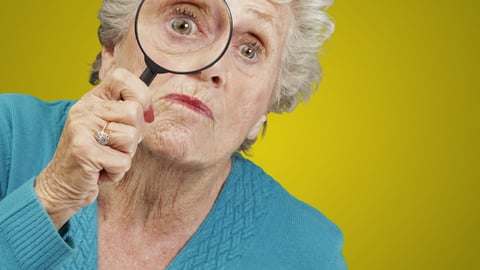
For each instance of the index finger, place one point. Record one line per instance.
(120, 84)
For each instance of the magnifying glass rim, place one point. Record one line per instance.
(156, 68)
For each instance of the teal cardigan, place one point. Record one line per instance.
(254, 224)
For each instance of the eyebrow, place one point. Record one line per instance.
(266, 18)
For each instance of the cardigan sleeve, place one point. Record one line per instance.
(28, 237)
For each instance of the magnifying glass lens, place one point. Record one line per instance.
(183, 36)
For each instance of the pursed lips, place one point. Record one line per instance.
(192, 103)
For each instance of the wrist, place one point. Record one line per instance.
(56, 202)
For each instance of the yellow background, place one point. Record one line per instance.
(389, 146)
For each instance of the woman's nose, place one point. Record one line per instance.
(216, 74)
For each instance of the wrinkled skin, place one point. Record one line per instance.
(237, 90)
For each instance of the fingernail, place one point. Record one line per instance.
(149, 115)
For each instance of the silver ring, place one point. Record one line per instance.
(102, 137)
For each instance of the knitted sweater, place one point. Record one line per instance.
(254, 224)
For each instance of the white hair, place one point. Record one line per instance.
(310, 27)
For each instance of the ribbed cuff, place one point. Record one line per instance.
(29, 231)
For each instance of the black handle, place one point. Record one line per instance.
(147, 76)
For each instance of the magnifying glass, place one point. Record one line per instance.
(182, 36)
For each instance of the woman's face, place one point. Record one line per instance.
(204, 117)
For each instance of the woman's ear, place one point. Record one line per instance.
(252, 135)
(108, 62)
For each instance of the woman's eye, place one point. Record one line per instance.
(183, 26)
(185, 20)
(248, 51)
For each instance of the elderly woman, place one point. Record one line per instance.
(167, 189)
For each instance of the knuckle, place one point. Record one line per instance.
(118, 74)
(135, 108)
(133, 149)
(124, 163)
(79, 152)
(133, 112)
(131, 137)
(78, 146)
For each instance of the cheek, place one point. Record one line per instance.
(255, 87)
(252, 97)
(244, 111)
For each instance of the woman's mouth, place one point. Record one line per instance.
(191, 103)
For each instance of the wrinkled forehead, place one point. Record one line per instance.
(272, 14)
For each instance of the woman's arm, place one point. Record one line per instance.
(28, 238)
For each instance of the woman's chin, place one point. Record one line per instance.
(165, 147)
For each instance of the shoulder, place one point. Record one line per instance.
(282, 205)
(299, 229)
(305, 224)
(27, 114)
(26, 104)
(293, 234)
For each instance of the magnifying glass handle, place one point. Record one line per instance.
(147, 76)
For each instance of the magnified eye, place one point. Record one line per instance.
(248, 51)
(183, 26)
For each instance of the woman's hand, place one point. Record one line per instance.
(122, 102)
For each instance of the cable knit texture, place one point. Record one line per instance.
(232, 222)
(254, 224)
